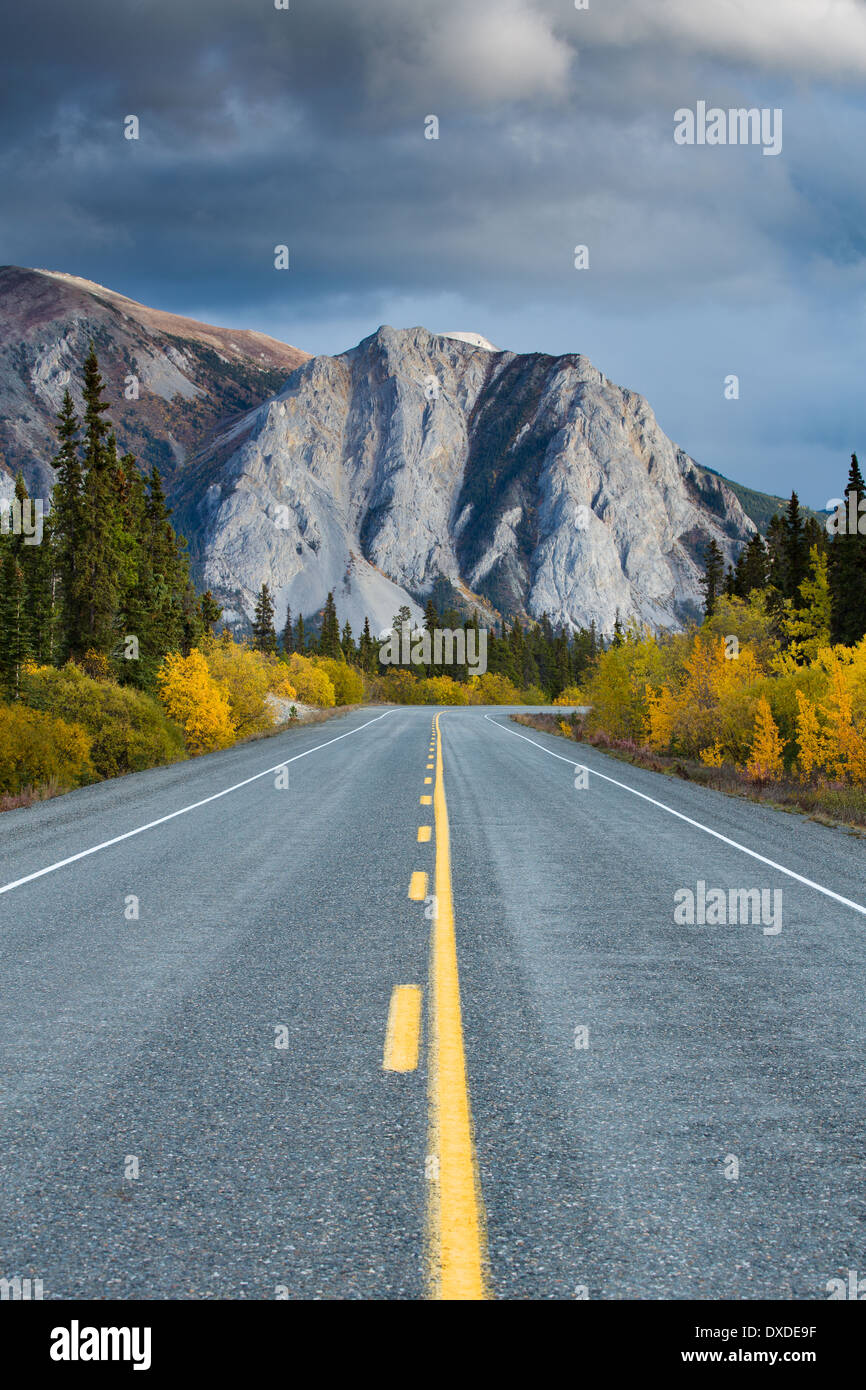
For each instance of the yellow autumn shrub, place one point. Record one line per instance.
(38, 748)
(246, 678)
(347, 680)
(190, 695)
(765, 762)
(312, 683)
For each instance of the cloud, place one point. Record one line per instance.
(794, 36)
(306, 127)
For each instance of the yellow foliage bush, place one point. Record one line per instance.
(128, 730)
(617, 686)
(192, 697)
(570, 696)
(312, 684)
(765, 760)
(493, 689)
(442, 690)
(710, 702)
(347, 680)
(38, 748)
(246, 678)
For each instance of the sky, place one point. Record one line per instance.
(306, 127)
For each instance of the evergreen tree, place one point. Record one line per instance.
(711, 583)
(209, 610)
(777, 555)
(796, 552)
(300, 636)
(368, 651)
(752, 570)
(288, 634)
(264, 632)
(329, 639)
(101, 560)
(347, 643)
(848, 566)
(66, 502)
(15, 627)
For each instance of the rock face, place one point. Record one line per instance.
(530, 482)
(414, 463)
(192, 377)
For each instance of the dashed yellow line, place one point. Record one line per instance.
(403, 1033)
(426, 801)
(428, 781)
(424, 833)
(418, 886)
(456, 1228)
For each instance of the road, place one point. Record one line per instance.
(217, 1082)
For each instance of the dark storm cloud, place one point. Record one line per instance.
(305, 127)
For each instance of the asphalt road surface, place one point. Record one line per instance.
(239, 1061)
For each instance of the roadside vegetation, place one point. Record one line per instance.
(110, 663)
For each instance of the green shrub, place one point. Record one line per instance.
(37, 748)
(128, 730)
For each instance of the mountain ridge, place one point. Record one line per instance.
(523, 483)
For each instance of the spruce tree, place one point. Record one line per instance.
(66, 501)
(848, 566)
(101, 550)
(713, 578)
(288, 634)
(329, 639)
(209, 610)
(264, 632)
(752, 570)
(796, 551)
(300, 635)
(15, 626)
(367, 649)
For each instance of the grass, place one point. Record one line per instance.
(28, 796)
(834, 803)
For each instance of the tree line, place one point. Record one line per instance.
(537, 656)
(802, 566)
(108, 583)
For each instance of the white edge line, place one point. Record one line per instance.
(140, 829)
(810, 883)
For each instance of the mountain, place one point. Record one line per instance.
(192, 376)
(413, 464)
(417, 463)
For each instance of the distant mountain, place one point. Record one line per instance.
(523, 482)
(193, 377)
(414, 464)
(761, 507)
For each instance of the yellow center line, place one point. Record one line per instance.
(426, 801)
(424, 833)
(427, 781)
(456, 1225)
(418, 886)
(402, 1036)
